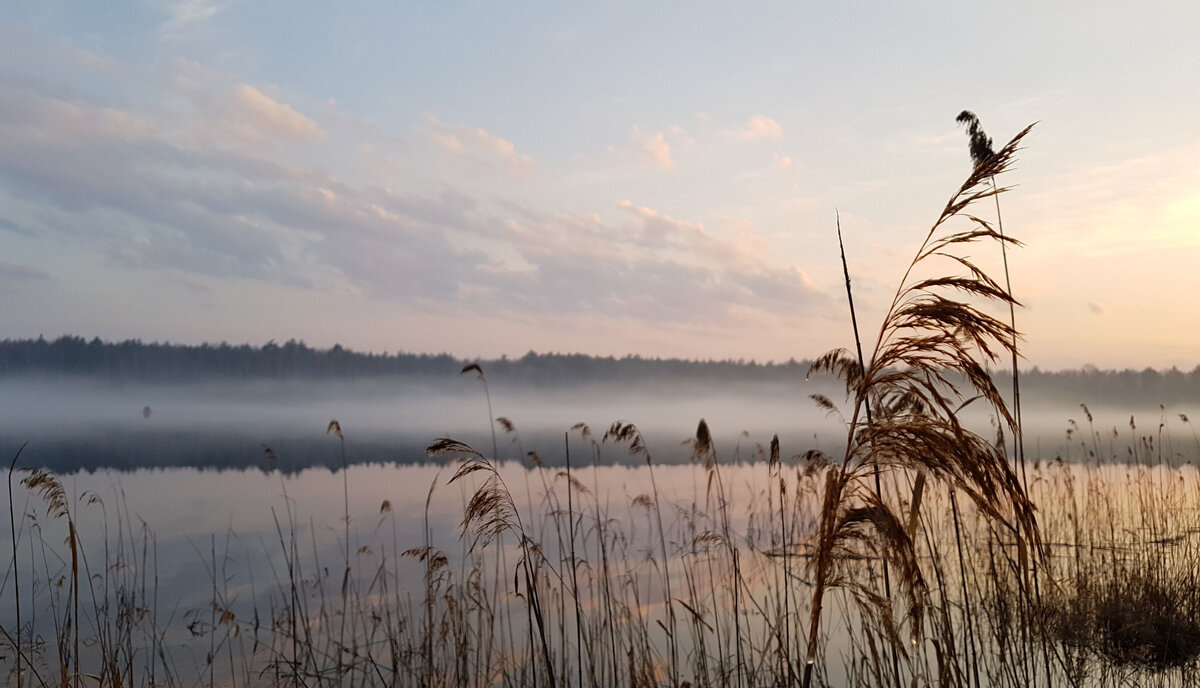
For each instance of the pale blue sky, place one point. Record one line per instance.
(610, 178)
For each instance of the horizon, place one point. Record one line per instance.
(615, 180)
(740, 361)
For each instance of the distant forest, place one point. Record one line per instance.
(133, 361)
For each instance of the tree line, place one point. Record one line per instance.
(135, 361)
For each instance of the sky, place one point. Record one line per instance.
(610, 178)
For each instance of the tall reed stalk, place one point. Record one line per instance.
(773, 461)
(490, 513)
(981, 151)
(887, 578)
(629, 434)
(931, 341)
(12, 524)
(574, 563)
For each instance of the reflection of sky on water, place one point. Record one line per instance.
(179, 525)
(197, 520)
(197, 528)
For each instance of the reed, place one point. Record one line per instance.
(1125, 535)
(902, 561)
(932, 340)
(12, 523)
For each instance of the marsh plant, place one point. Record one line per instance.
(903, 559)
(733, 533)
(929, 361)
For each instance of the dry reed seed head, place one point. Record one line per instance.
(841, 364)
(823, 402)
(489, 512)
(336, 428)
(584, 431)
(432, 557)
(506, 425)
(49, 488)
(572, 481)
(448, 446)
(814, 461)
(472, 367)
(385, 507)
(535, 459)
(470, 466)
(702, 445)
(774, 456)
(643, 500)
(623, 431)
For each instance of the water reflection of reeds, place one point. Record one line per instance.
(239, 576)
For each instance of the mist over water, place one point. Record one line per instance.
(62, 419)
(86, 424)
(150, 474)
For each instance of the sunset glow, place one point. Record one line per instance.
(488, 179)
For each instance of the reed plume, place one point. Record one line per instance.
(929, 360)
(491, 512)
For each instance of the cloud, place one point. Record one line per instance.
(661, 231)
(476, 142)
(216, 109)
(53, 120)
(170, 189)
(273, 118)
(783, 162)
(187, 13)
(10, 226)
(654, 147)
(761, 127)
(16, 272)
(448, 141)
(1097, 308)
(678, 135)
(615, 279)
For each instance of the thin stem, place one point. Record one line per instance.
(1018, 430)
(887, 578)
(12, 524)
(574, 579)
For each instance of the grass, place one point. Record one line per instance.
(1119, 538)
(906, 560)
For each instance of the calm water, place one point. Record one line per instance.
(186, 503)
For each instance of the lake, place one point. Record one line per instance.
(204, 557)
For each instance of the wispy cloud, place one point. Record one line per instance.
(171, 189)
(54, 120)
(653, 147)
(460, 139)
(17, 272)
(652, 267)
(272, 118)
(762, 127)
(186, 14)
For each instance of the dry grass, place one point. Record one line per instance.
(755, 570)
(935, 338)
(434, 614)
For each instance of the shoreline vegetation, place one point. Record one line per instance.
(735, 541)
(919, 553)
